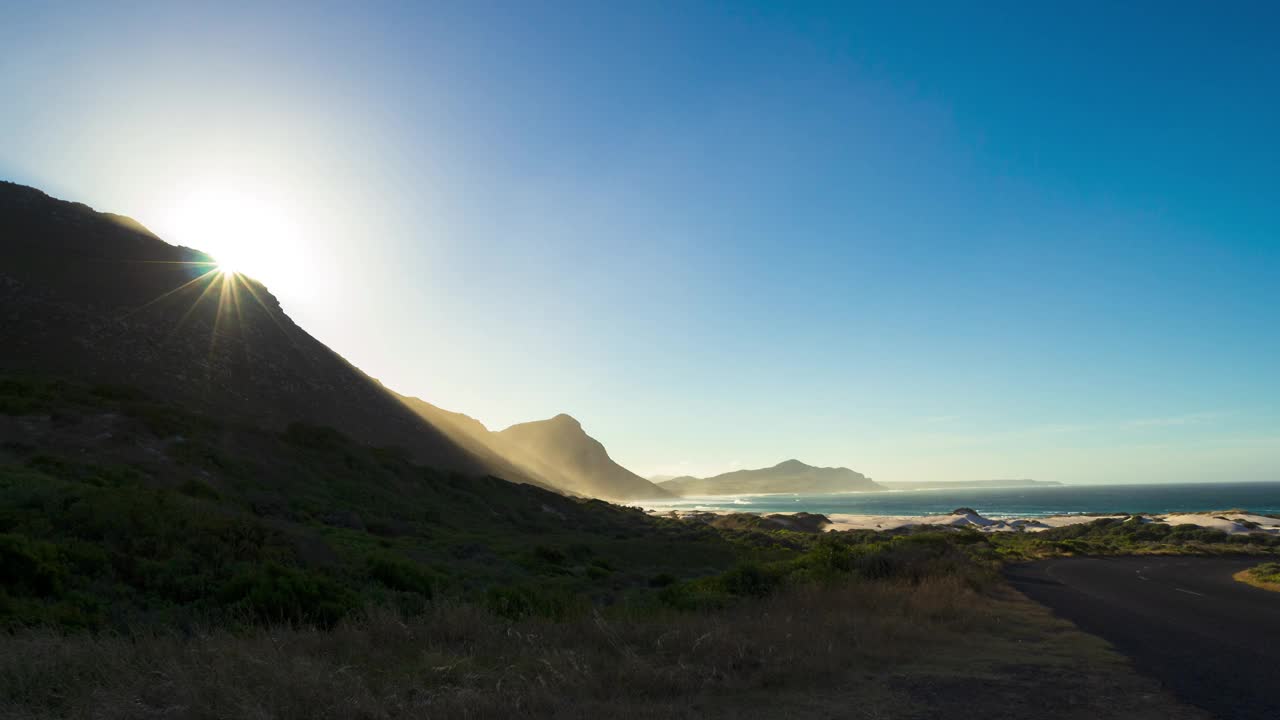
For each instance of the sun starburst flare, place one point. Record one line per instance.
(249, 228)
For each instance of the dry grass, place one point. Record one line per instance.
(1247, 577)
(873, 650)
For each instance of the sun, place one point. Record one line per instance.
(248, 231)
(246, 236)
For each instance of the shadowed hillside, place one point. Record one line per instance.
(790, 476)
(118, 509)
(99, 297)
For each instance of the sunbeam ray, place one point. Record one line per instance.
(199, 299)
(149, 303)
(267, 309)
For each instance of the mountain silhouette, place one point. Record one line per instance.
(582, 461)
(556, 452)
(99, 297)
(785, 477)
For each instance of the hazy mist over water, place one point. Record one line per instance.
(1009, 502)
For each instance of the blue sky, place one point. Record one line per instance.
(926, 242)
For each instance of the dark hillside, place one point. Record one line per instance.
(96, 296)
(118, 509)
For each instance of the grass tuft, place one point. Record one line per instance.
(1265, 576)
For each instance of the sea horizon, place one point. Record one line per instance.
(1002, 502)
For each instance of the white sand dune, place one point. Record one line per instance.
(1230, 522)
(972, 520)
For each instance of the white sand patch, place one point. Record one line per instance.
(1232, 523)
(971, 520)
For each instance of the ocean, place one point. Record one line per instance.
(1261, 498)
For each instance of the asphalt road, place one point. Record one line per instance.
(1212, 641)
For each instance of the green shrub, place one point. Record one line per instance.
(117, 392)
(276, 593)
(1266, 572)
(694, 596)
(548, 555)
(662, 580)
(515, 602)
(829, 557)
(1194, 533)
(579, 551)
(88, 473)
(30, 567)
(199, 489)
(970, 536)
(23, 396)
(750, 580)
(397, 573)
(314, 437)
(878, 565)
(168, 422)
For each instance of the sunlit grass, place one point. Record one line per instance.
(1265, 576)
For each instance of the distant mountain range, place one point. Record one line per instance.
(956, 484)
(98, 297)
(789, 476)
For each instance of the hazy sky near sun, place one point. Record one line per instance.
(929, 242)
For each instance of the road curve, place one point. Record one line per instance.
(1212, 641)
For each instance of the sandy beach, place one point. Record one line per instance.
(1228, 521)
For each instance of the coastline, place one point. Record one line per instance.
(1232, 522)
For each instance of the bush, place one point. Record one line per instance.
(30, 567)
(118, 392)
(694, 596)
(314, 437)
(750, 580)
(22, 396)
(1266, 572)
(515, 602)
(199, 489)
(397, 573)
(970, 536)
(829, 557)
(276, 593)
(88, 473)
(167, 422)
(876, 566)
(662, 580)
(548, 555)
(1195, 533)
